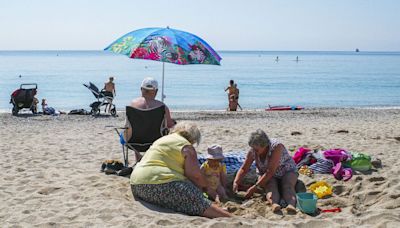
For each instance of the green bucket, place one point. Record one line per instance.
(307, 202)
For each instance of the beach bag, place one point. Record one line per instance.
(78, 112)
(359, 162)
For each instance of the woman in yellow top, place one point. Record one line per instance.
(169, 174)
(215, 173)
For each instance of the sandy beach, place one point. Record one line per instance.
(50, 169)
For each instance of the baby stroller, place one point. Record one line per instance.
(103, 99)
(24, 98)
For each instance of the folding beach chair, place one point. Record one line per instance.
(147, 127)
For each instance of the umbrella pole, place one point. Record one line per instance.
(162, 86)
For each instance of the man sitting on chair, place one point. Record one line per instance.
(147, 101)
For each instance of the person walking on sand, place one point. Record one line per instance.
(274, 167)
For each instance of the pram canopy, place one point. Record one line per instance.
(23, 97)
(93, 88)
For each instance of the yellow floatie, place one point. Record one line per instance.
(321, 189)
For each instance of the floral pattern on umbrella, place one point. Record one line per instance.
(165, 45)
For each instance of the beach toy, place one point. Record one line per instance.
(306, 171)
(321, 189)
(337, 209)
(307, 202)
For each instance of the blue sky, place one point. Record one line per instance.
(372, 25)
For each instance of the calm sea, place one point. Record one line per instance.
(318, 79)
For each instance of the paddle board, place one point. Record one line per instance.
(283, 108)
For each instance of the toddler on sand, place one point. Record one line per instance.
(215, 173)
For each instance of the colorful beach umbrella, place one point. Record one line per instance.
(165, 45)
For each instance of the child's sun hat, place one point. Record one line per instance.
(215, 152)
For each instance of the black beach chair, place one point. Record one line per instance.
(147, 127)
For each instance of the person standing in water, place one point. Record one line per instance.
(233, 96)
(231, 88)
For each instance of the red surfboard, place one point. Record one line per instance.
(283, 108)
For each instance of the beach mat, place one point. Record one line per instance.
(232, 160)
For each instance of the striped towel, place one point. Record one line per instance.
(323, 165)
(232, 160)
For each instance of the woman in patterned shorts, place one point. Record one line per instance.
(274, 167)
(169, 174)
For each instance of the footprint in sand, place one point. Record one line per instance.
(373, 193)
(376, 179)
(394, 196)
(342, 131)
(377, 163)
(296, 133)
(358, 178)
(48, 190)
(372, 197)
(339, 189)
(164, 222)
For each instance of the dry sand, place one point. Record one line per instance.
(50, 169)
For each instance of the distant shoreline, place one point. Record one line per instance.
(245, 111)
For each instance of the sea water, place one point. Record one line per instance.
(317, 79)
